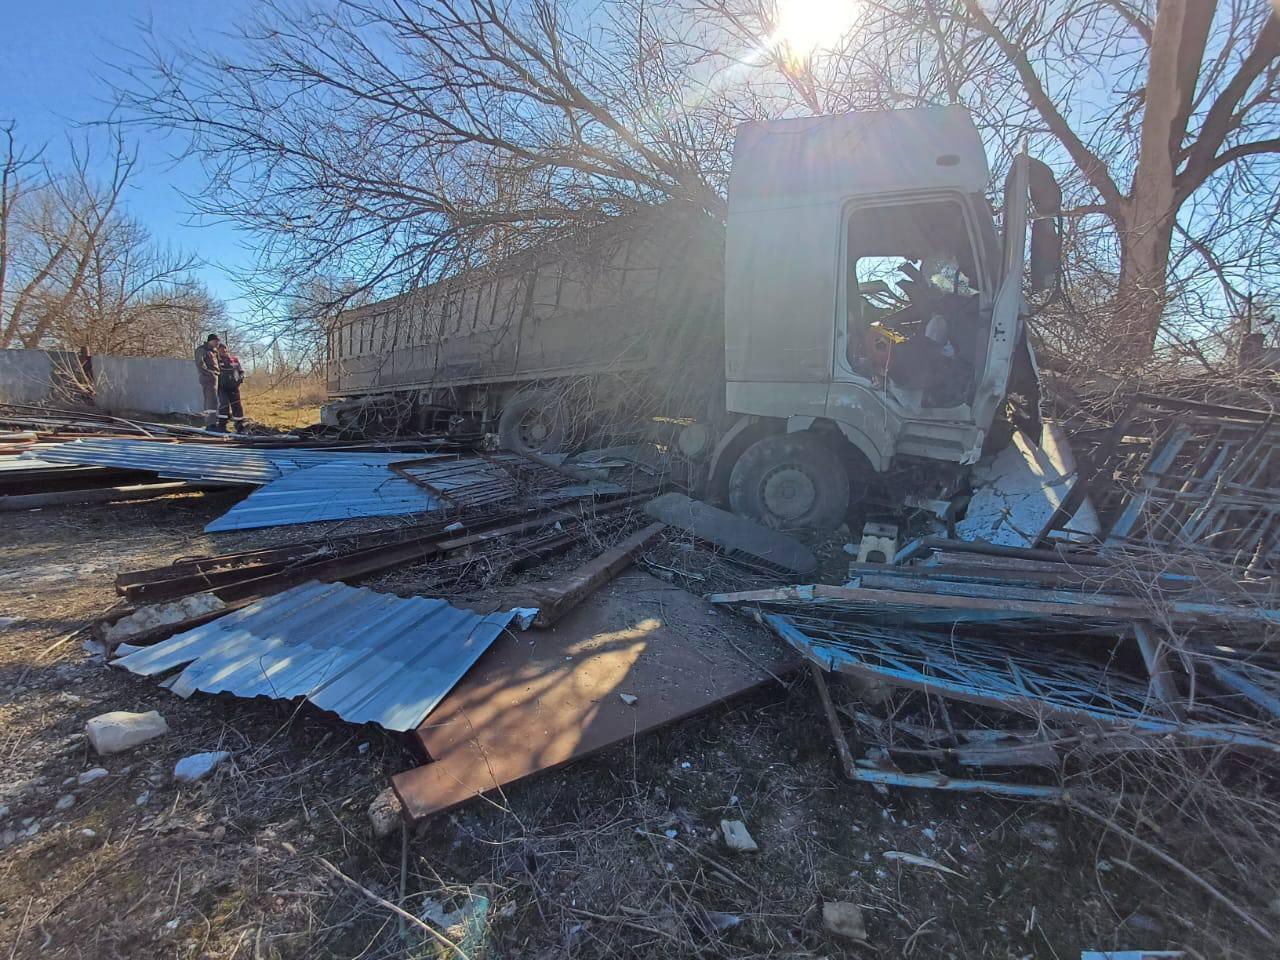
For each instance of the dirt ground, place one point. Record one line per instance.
(618, 856)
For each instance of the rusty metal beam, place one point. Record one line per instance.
(142, 491)
(558, 599)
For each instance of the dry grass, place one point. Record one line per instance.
(616, 857)
(287, 404)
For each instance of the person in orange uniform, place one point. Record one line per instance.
(230, 376)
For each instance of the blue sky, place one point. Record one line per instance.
(53, 56)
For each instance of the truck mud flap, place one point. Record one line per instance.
(737, 535)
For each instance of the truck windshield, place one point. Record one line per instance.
(912, 299)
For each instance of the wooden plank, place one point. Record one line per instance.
(1110, 611)
(1003, 600)
(543, 699)
(925, 545)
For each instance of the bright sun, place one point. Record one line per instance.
(804, 26)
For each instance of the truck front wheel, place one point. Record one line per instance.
(533, 422)
(790, 480)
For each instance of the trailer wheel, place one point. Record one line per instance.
(790, 480)
(533, 422)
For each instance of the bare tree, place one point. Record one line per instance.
(388, 142)
(1162, 119)
(51, 228)
(75, 271)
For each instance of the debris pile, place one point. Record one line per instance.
(1111, 610)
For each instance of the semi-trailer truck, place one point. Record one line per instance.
(859, 311)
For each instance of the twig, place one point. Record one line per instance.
(702, 856)
(837, 732)
(624, 922)
(387, 904)
(1177, 865)
(17, 938)
(404, 867)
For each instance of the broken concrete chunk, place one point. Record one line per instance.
(160, 614)
(844, 920)
(121, 730)
(384, 813)
(736, 836)
(455, 922)
(1043, 835)
(198, 765)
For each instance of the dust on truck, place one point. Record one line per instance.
(858, 314)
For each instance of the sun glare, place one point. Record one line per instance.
(806, 26)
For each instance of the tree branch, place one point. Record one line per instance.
(1221, 117)
(1091, 165)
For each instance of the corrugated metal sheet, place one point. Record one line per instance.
(25, 463)
(329, 491)
(500, 478)
(204, 461)
(368, 657)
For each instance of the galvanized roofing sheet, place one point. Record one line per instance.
(26, 463)
(203, 461)
(327, 491)
(368, 657)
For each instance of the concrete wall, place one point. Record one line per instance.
(26, 376)
(146, 385)
(134, 384)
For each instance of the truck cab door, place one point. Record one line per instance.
(1008, 307)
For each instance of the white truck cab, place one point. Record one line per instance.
(870, 304)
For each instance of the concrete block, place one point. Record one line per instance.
(121, 730)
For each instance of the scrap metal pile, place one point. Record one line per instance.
(1069, 642)
(1161, 629)
(1125, 600)
(54, 457)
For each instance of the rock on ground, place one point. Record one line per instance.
(844, 920)
(199, 765)
(121, 730)
(384, 813)
(736, 836)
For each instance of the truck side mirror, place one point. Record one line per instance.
(1045, 261)
(1046, 245)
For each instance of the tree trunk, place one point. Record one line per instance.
(1178, 39)
(1142, 291)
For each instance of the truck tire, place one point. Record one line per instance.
(532, 422)
(789, 481)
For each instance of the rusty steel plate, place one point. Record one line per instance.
(545, 698)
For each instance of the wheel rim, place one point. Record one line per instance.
(788, 493)
(534, 429)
